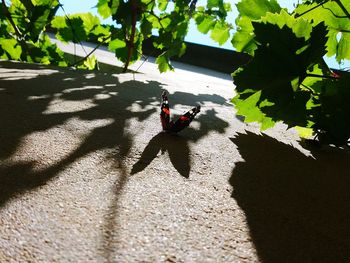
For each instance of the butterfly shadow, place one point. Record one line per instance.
(177, 148)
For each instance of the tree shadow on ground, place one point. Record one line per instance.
(297, 207)
(32, 101)
(25, 108)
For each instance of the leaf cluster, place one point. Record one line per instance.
(22, 25)
(287, 79)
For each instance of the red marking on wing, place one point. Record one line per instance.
(184, 118)
(166, 111)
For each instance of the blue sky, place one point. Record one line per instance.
(81, 6)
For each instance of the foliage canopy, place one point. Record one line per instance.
(286, 79)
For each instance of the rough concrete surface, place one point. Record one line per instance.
(87, 176)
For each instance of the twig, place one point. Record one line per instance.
(308, 88)
(92, 51)
(320, 76)
(130, 42)
(73, 30)
(309, 10)
(340, 4)
(334, 14)
(158, 18)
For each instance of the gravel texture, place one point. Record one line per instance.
(87, 176)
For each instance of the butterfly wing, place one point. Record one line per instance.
(165, 112)
(185, 120)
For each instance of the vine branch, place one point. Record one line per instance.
(320, 76)
(308, 88)
(309, 10)
(342, 7)
(130, 42)
(334, 14)
(92, 51)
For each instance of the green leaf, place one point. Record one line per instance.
(304, 132)
(338, 27)
(146, 28)
(220, 33)
(255, 9)
(277, 67)
(206, 24)
(213, 3)
(332, 112)
(248, 108)
(162, 4)
(90, 21)
(11, 47)
(243, 39)
(106, 8)
(116, 44)
(163, 63)
(45, 2)
(343, 49)
(91, 62)
(59, 22)
(70, 29)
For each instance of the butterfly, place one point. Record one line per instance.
(181, 123)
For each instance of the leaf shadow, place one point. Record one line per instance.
(297, 207)
(36, 98)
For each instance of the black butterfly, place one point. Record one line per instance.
(183, 121)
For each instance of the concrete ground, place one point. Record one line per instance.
(87, 176)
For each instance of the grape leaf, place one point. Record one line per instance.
(339, 28)
(220, 33)
(332, 111)
(11, 47)
(162, 4)
(255, 9)
(205, 23)
(248, 108)
(278, 68)
(213, 3)
(107, 8)
(243, 39)
(250, 10)
(163, 63)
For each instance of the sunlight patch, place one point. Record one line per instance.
(81, 88)
(102, 96)
(89, 76)
(135, 107)
(68, 106)
(68, 79)
(38, 97)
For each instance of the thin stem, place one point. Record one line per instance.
(309, 10)
(340, 30)
(334, 14)
(320, 76)
(158, 18)
(308, 88)
(130, 42)
(92, 51)
(340, 4)
(73, 29)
